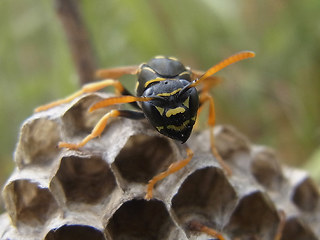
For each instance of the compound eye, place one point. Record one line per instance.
(186, 93)
(153, 113)
(184, 82)
(192, 100)
(148, 92)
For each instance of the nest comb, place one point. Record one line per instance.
(98, 192)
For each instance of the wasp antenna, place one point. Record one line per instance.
(185, 88)
(224, 63)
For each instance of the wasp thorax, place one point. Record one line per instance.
(173, 111)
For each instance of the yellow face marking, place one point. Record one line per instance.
(175, 111)
(179, 128)
(153, 80)
(169, 94)
(160, 110)
(186, 102)
(159, 128)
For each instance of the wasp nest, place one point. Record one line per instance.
(98, 191)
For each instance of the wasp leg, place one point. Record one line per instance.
(174, 167)
(100, 126)
(118, 100)
(117, 72)
(210, 82)
(88, 88)
(196, 226)
(204, 97)
(281, 225)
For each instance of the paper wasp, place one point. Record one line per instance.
(166, 95)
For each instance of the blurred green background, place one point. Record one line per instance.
(273, 98)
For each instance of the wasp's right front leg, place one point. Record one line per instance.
(100, 126)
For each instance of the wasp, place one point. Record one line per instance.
(168, 94)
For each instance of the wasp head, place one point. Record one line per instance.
(174, 107)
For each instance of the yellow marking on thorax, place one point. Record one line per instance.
(179, 128)
(137, 85)
(169, 94)
(173, 58)
(153, 80)
(149, 69)
(159, 57)
(160, 110)
(175, 111)
(184, 73)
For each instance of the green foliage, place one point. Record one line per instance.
(274, 98)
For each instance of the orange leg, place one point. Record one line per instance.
(91, 87)
(196, 226)
(204, 97)
(98, 129)
(281, 225)
(210, 82)
(116, 72)
(100, 126)
(174, 167)
(118, 100)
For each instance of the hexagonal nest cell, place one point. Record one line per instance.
(85, 179)
(40, 132)
(80, 232)
(206, 195)
(254, 216)
(306, 195)
(77, 121)
(28, 202)
(140, 219)
(265, 167)
(96, 192)
(143, 157)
